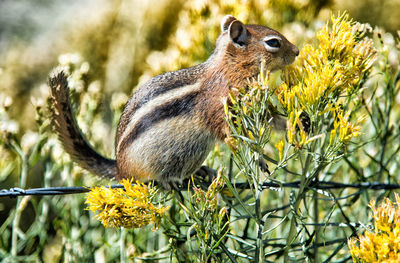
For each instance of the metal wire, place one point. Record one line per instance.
(320, 185)
(14, 192)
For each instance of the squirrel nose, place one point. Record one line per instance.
(296, 50)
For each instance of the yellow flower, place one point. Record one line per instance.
(262, 130)
(130, 207)
(232, 143)
(280, 146)
(323, 73)
(250, 134)
(286, 97)
(333, 135)
(343, 129)
(383, 244)
(232, 97)
(291, 128)
(321, 77)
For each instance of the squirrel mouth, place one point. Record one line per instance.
(288, 60)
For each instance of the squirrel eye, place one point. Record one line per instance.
(273, 43)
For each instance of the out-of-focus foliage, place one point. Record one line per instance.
(377, 13)
(110, 47)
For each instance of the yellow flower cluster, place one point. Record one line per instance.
(382, 245)
(130, 207)
(323, 75)
(343, 130)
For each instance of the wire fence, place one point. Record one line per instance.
(317, 185)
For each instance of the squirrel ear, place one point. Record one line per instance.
(238, 32)
(226, 21)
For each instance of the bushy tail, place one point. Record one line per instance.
(69, 133)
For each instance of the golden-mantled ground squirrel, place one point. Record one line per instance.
(171, 123)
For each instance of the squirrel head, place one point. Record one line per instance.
(245, 47)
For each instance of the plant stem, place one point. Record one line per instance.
(303, 183)
(122, 249)
(316, 220)
(386, 132)
(260, 228)
(292, 230)
(19, 206)
(259, 256)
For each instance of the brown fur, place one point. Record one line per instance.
(69, 133)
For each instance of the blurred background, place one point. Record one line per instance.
(112, 46)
